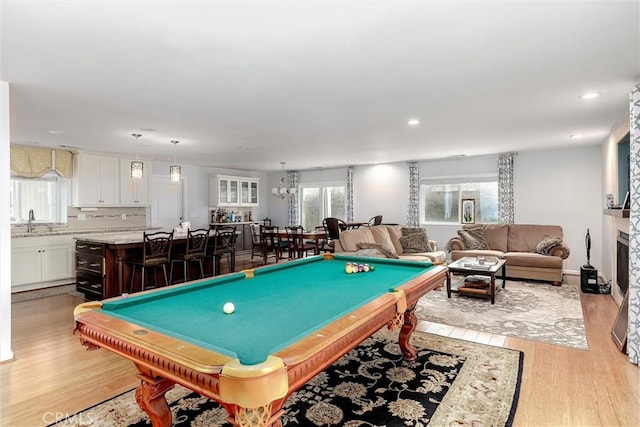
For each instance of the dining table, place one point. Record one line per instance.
(317, 236)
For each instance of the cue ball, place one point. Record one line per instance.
(228, 308)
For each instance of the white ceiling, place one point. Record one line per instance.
(317, 84)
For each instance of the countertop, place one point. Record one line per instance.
(52, 231)
(125, 238)
(237, 223)
(121, 238)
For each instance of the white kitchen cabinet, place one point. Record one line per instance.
(134, 192)
(41, 261)
(233, 191)
(249, 192)
(96, 180)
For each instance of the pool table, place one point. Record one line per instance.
(291, 321)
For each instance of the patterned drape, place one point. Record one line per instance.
(293, 207)
(505, 189)
(348, 202)
(413, 210)
(633, 331)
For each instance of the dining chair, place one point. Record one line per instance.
(194, 251)
(296, 245)
(256, 243)
(332, 225)
(156, 250)
(323, 244)
(376, 220)
(271, 243)
(224, 245)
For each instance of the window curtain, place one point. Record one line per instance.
(293, 209)
(348, 202)
(34, 162)
(413, 211)
(505, 189)
(633, 330)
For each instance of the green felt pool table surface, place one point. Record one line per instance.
(273, 309)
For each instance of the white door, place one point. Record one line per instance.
(166, 202)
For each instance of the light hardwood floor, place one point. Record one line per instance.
(53, 375)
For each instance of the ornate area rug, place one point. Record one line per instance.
(452, 382)
(534, 311)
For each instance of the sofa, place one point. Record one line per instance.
(389, 241)
(532, 251)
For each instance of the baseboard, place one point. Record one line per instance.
(44, 292)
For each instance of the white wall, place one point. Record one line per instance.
(5, 226)
(381, 190)
(563, 187)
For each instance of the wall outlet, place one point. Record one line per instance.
(124, 216)
(82, 217)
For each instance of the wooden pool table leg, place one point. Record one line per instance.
(151, 399)
(409, 325)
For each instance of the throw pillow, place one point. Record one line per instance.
(415, 243)
(547, 243)
(370, 253)
(407, 231)
(473, 238)
(386, 251)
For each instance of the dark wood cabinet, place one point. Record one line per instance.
(90, 269)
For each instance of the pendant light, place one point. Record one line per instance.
(175, 171)
(136, 165)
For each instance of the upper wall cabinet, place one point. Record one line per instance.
(233, 191)
(249, 192)
(134, 192)
(96, 180)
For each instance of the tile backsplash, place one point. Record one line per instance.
(106, 218)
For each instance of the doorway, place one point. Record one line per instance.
(167, 202)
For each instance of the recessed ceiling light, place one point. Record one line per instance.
(413, 122)
(148, 129)
(56, 132)
(576, 136)
(590, 95)
(243, 148)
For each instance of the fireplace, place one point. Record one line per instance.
(622, 261)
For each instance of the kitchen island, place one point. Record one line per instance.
(102, 270)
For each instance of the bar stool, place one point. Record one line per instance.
(156, 249)
(194, 251)
(224, 245)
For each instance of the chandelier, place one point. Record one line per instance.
(283, 191)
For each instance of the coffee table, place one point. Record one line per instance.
(473, 266)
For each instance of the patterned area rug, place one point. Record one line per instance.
(452, 382)
(534, 311)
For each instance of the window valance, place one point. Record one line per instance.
(34, 162)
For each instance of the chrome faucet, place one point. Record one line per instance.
(31, 219)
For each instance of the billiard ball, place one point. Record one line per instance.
(228, 307)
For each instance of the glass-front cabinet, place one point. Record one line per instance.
(249, 192)
(233, 191)
(227, 191)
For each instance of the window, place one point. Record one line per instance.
(48, 196)
(320, 202)
(440, 202)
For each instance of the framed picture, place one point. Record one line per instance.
(468, 211)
